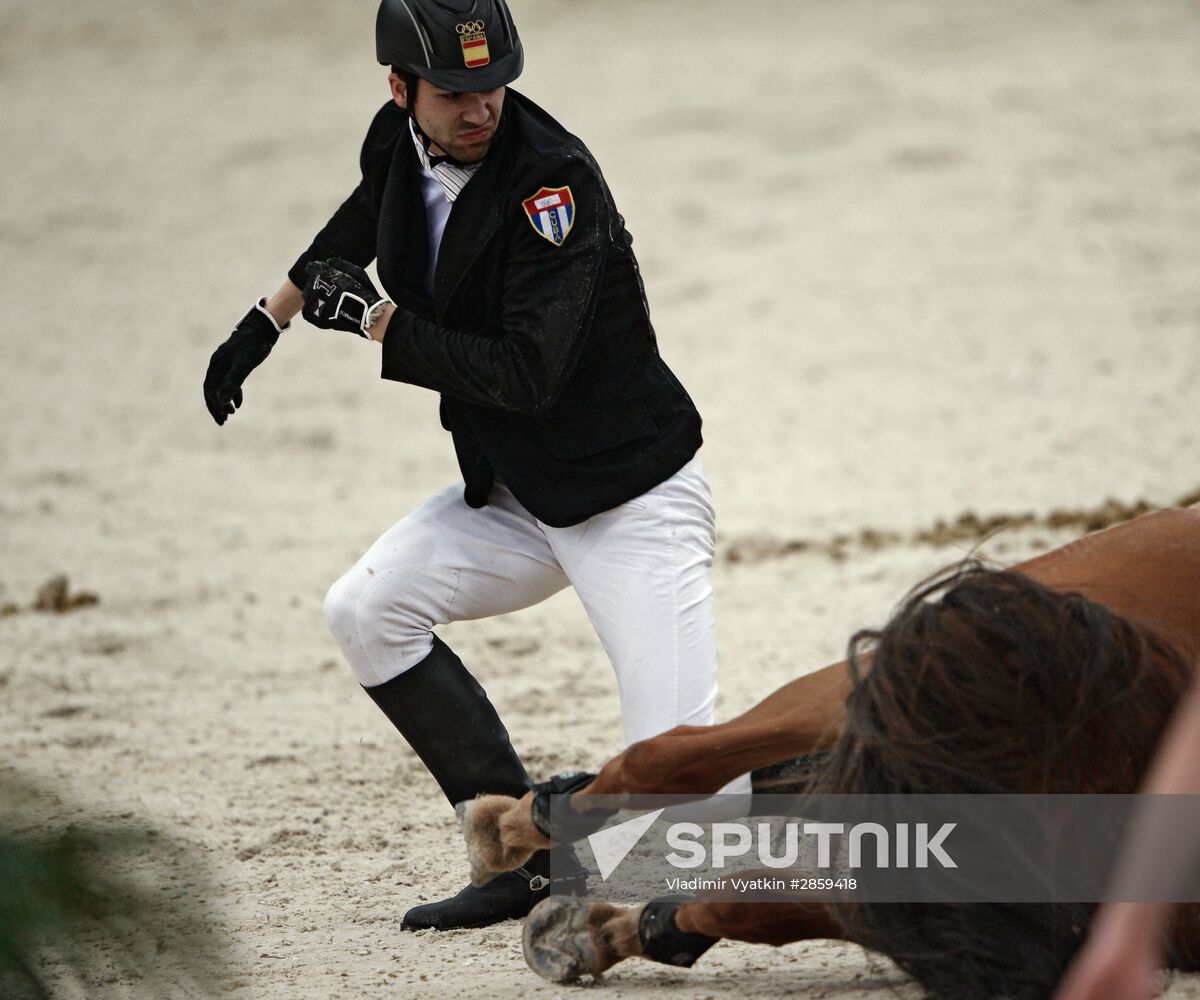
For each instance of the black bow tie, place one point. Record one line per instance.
(437, 161)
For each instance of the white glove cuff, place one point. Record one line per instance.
(261, 306)
(371, 317)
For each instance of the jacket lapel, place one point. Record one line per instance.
(404, 230)
(474, 220)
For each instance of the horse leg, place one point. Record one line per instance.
(500, 834)
(802, 716)
(773, 923)
(565, 939)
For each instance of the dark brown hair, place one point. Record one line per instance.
(410, 82)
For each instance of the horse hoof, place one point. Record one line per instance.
(557, 941)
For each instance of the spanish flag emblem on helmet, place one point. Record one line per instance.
(473, 35)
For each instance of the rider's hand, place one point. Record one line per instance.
(339, 295)
(246, 348)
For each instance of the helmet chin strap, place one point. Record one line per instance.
(434, 159)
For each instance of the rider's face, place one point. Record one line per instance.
(461, 126)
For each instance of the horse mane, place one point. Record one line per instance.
(985, 681)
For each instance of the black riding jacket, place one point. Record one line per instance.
(543, 352)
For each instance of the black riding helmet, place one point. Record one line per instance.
(459, 45)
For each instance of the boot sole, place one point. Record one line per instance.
(557, 942)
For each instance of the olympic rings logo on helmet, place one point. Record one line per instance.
(470, 27)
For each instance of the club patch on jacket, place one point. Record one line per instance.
(551, 213)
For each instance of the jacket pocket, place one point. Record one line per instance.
(583, 432)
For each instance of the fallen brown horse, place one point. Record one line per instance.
(1057, 675)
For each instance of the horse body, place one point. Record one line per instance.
(1145, 571)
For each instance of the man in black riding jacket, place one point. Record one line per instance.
(510, 287)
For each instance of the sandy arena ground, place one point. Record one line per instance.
(915, 260)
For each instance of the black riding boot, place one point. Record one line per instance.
(506, 897)
(445, 715)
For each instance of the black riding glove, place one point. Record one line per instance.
(339, 295)
(246, 349)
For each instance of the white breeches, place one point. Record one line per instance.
(641, 571)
